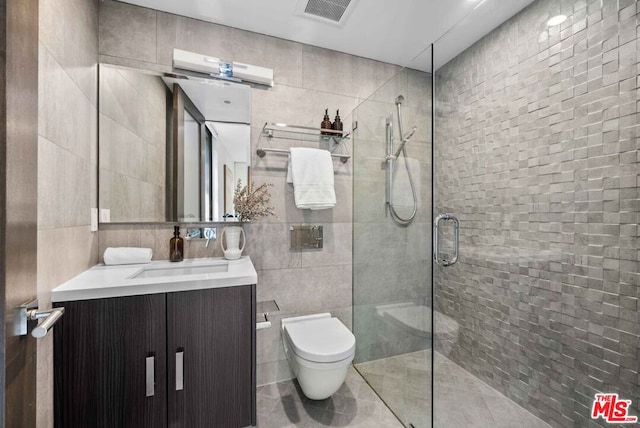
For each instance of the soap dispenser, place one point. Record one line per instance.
(176, 246)
(337, 125)
(326, 123)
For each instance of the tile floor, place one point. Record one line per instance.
(403, 382)
(462, 400)
(282, 404)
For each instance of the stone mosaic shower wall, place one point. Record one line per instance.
(537, 154)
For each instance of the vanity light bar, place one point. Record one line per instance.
(253, 73)
(195, 62)
(217, 68)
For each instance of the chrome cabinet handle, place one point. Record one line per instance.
(151, 376)
(456, 227)
(179, 370)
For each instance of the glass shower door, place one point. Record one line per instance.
(392, 243)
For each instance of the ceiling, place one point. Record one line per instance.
(391, 31)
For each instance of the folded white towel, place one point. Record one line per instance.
(312, 178)
(126, 255)
(402, 196)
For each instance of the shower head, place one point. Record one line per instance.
(409, 134)
(405, 139)
(399, 99)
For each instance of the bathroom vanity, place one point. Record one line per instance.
(157, 345)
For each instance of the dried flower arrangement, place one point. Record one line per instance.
(251, 202)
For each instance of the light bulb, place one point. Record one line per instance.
(556, 20)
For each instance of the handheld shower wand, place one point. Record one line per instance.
(390, 165)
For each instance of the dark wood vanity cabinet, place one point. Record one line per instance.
(100, 351)
(199, 347)
(209, 331)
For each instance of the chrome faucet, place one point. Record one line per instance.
(207, 233)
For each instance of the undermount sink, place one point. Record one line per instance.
(178, 270)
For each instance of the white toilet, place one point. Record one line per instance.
(319, 349)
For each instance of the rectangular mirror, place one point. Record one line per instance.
(171, 147)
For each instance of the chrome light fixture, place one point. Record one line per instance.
(215, 67)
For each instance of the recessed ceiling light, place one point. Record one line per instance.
(479, 3)
(556, 20)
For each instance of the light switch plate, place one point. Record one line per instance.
(105, 215)
(94, 220)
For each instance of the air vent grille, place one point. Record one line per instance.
(328, 9)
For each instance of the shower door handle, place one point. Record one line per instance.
(456, 226)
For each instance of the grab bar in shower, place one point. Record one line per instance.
(456, 226)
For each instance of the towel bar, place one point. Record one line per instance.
(261, 152)
(262, 315)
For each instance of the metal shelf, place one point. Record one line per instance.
(294, 132)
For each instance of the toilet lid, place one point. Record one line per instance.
(322, 340)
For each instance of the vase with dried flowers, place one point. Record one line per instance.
(251, 203)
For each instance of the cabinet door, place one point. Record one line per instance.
(102, 350)
(210, 351)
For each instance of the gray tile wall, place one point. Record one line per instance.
(537, 154)
(67, 160)
(307, 80)
(132, 131)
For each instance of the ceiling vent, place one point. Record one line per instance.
(329, 11)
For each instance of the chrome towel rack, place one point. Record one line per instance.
(261, 152)
(29, 312)
(303, 133)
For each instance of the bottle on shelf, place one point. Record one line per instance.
(326, 124)
(337, 124)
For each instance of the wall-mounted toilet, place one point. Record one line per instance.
(320, 350)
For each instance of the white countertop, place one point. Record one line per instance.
(102, 281)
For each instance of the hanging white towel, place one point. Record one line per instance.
(311, 172)
(402, 196)
(126, 255)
